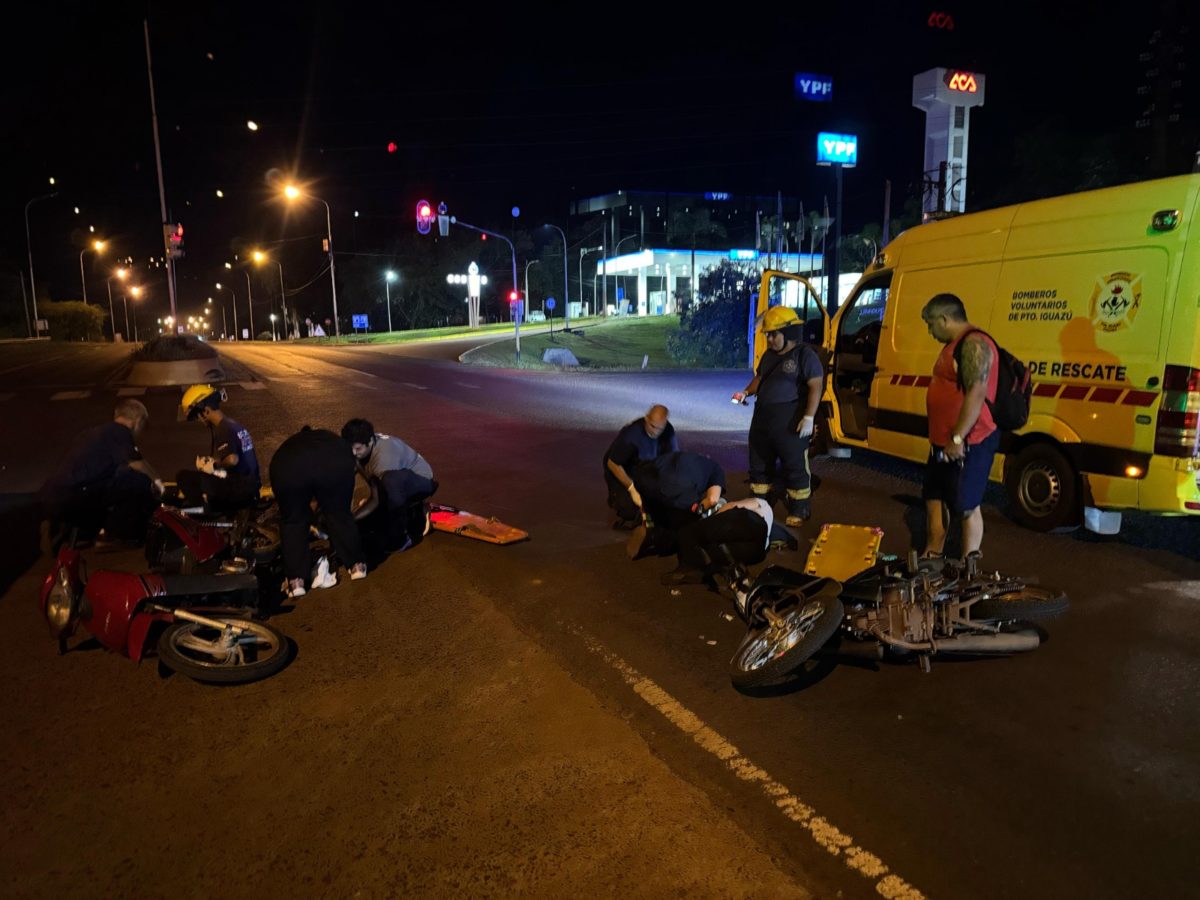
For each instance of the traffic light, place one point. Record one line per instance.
(173, 240)
(424, 216)
(391, 147)
(514, 296)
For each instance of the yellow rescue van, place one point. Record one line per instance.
(1097, 292)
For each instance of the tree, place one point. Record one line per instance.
(714, 329)
(72, 320)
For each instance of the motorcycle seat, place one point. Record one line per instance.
(189, 585)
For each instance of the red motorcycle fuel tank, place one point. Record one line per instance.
(203, 541)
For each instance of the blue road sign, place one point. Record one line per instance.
(550, 303)
(360, 321)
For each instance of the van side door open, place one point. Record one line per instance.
(856, 352)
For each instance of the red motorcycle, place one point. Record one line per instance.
(201, 623)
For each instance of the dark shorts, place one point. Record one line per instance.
(960, 486)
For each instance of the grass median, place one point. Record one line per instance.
(613, 344)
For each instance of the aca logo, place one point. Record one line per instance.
(962, 81)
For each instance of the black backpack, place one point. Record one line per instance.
(1014, 387)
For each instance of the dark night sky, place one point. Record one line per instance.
(528, 107)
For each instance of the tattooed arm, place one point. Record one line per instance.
(978, 358)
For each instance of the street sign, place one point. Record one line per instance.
(817, 88)
(359, 321)
(837, 149)
(550, 303)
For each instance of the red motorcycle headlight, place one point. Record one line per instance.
(62, 603)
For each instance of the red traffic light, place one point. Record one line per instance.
(513, 296)
(424, 216)
(392, 147)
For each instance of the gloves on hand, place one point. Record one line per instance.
(739, 397)
(635, 496)
(806, 427)
(208, 466)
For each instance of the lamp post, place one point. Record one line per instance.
(233, 298)
(274, 336)
(249, 302)
(112, 319)
(29, 248)
(388, 278)
(583, 251)
(528, 263)
(566, 293)
(98, 246)
(292, 192)
(260, 258)
(137, 292)
(224, 324)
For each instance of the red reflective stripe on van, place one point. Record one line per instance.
(1139, 398)
(1046, 390)
(924, 380)
(1106, 395)
(908, 380)
(1074, 392)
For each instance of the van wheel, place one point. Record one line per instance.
(1043, 488)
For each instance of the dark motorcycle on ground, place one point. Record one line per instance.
(851, 601)
(201, 624)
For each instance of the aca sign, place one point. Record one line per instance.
(961, 81)
(818, 88)
(837, 149)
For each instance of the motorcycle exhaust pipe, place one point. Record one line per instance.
(1002, 643)
(869, 650)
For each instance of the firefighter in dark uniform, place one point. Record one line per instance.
(787, 386)
(229, 479)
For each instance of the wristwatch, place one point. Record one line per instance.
(956, 440)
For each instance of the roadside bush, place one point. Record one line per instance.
(712, 331)
(264, 336)
(173, 348)
(73, 320)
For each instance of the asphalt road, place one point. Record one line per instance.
(1068, 772)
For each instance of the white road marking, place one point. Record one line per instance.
(131, 392)
(419, 387)
(363, 384)
(71, 395)
(836, 842)
(473, 387)
(252, 386)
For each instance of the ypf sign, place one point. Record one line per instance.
(837, 149)
(817, 88)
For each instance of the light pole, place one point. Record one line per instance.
(249, 302)
(112, 319)
(137, 292)
(260, 258)
(292, 192)
(29, 247)
(583, 251)
(233, 298)
(388, 278)
(566, 292)
(274, 336)
(224, 324)
(528, 263)
(454, 220)
(98, 246)
(616, 252)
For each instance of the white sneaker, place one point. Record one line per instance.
(294, 588)
(322, 577)
(358, 572)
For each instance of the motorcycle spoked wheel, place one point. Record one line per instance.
(203, 654)
(1030, 601)
(771, 651)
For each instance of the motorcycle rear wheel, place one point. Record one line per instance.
(199, 652)
(1031, 601)
(769, 653)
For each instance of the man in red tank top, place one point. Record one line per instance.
(962, 435)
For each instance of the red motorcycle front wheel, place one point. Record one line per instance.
(241, 652)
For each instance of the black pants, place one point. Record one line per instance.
(227, 494)
(775, 447)
(121, 506)
(315, 465)
(742, 532)
(391, 526)
(619, 499)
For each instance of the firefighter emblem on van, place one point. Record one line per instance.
(1115, 301)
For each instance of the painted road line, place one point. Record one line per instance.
(834, 841)
(419, 387)
(473, 387)
(131, 392)
(71, 395)
(363, 384)
(252, 385)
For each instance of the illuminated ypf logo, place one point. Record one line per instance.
(1115, 301)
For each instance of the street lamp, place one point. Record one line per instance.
(112, 320)
(260, 258)
(98, 246)
(137, 292)
(583, 251)
(274, 336)
(528, 263)
(388, 278)
(29, 248)
(566, 291)
(291, 192)
(233, 298)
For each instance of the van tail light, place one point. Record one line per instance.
(1179, 413)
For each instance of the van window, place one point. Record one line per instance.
(795, 293)
(860, 326)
